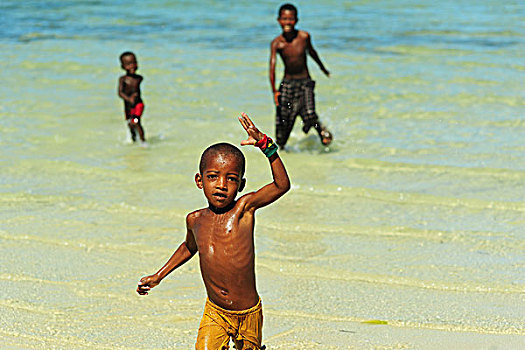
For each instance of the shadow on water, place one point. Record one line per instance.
(151, 140)
(155, 139)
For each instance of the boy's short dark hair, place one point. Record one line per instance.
(126, 53)
(222, 148)
(288, 7)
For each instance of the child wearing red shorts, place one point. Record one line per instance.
(129, 91)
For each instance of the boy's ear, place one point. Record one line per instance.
(242, 184)
(198, 180)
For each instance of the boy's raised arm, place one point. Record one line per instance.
(184, 252)
(281, 181)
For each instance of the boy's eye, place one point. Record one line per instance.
(231, 178)
(211, 177)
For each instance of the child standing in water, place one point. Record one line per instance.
(129, 91)
(222, 234)
(296, 92)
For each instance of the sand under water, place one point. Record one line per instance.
(406, 233)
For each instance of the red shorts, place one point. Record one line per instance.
(136, 111)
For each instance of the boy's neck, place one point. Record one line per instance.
(222, 210)
(289, 36)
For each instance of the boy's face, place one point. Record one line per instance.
(221, 180)
(129, 63)
(287, 19)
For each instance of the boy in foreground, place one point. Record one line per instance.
(222, 234)
(129, 91)
(296, 92)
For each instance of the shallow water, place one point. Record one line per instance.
(407, 233)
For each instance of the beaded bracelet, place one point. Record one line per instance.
(267, 145)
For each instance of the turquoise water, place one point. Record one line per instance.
(413, 217)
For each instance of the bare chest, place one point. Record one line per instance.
(293, 49)
(131, 84)
(222, 238)
(217, 234)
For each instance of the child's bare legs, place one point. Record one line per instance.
(132, 132)
(141, 132)
(134, 124)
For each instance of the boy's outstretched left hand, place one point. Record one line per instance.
(254, 134)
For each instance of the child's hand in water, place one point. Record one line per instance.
(254, 134)
(146, 283)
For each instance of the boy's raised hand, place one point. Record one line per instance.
(254, 134)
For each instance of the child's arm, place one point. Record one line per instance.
(281, 182)
(315, 56)
(131, 98)
(273, 55)
(185, 252)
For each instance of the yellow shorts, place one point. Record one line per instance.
(218, 325)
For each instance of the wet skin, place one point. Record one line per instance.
(222, 233)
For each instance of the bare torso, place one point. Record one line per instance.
(226, 253)
(130, 85)
(293, 53)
